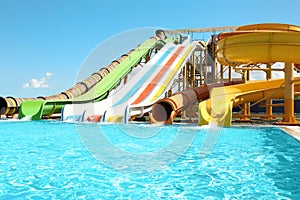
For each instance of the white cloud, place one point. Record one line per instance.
(41, 83)
(48, 74)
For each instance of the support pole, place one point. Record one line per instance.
(229, 74)
(244, 112)
(222, 73)
(289, 116)
(179, 82)
(269, 108)
(201, 67)
(183, 113)
(194, 70)
(193, 107)
(269, 72)
(206, 68)
(245, 106)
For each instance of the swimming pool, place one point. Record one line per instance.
(44, 160)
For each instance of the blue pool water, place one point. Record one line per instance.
(54, 160)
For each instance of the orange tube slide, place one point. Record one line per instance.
(165, 110)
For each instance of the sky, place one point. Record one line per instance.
(47, 46)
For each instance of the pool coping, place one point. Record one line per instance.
(293, 131)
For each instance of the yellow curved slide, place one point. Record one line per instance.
(218, 109)
(259, 43)
(252, 44)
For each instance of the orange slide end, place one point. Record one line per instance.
(165, 110)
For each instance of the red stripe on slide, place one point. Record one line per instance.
(154, 82)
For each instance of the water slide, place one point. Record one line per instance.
(10, 105)
(165, 110)
(218, 108)
(151, 87)
(154, 87)
(35, 109)
(251, 44)
(259, 43)
(94, 111)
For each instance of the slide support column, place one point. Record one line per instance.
(269, 108)
(289, 116)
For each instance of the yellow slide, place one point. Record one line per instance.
(218, 109)
(259, 43)
(251, 44)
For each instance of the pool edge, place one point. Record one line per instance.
(293, 131)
